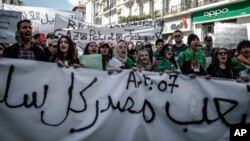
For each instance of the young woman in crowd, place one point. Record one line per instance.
(221, 65)
(192, 61)
(167, 61)
(106, 52)
(148, 47)
(143, 61)
(132, 54)
(66, 53)
(91, 48)
(241, 62)
(120, 59)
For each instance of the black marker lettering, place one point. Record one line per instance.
(132, 79)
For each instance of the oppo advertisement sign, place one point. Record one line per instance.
(233, 10)
(216, 12)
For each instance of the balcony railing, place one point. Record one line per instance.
(189, 5)
(108, 7)
(97, 13)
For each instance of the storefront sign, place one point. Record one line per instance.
(181, 23)
(216, 12)
(222, 12)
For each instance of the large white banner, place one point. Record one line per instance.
(8, 28)
(147, 30)
(62, 22)
(42, 18)
(83, 104)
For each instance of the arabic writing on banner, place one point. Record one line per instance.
(147, 30)
(8, 28)
(84, 104)
(227, 35)
(42, 18)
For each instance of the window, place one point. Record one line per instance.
(107, 4)
(130, 10)
(208, 28)
(151, 6)
(141, 9)
(165, 7)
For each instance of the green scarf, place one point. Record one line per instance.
(129, 64)
(237, 65)
(164, 65)
(156, 54)
(189, 55)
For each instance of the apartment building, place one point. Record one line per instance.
(12, 2)
(189, 16)
(81, 8)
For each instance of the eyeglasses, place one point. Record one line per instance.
(55, 46)
(177, 36)
(1, 49)
(222, 53)
(169, 49)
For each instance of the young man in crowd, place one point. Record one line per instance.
(179, 46)
(208, 46)
(192, 61)
(158, 44)
(24, 48)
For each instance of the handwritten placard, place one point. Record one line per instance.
(229, 35)
(146, 30)
(8, 28)
(62, 22)
(42, 18)
(93, 61)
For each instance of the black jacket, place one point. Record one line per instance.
(216, 71)
(12, 52)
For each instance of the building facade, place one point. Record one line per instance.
(189, 16)
(235, 13)
(81, 8)
(11, 2)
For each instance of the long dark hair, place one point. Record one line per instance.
(228, 61)
(243, 43)
(172, 59)
(86, 49)
(150, 52)
(71, 53)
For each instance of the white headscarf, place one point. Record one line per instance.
(140, 64)
(116, 54)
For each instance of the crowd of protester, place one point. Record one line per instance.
(163, 56)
